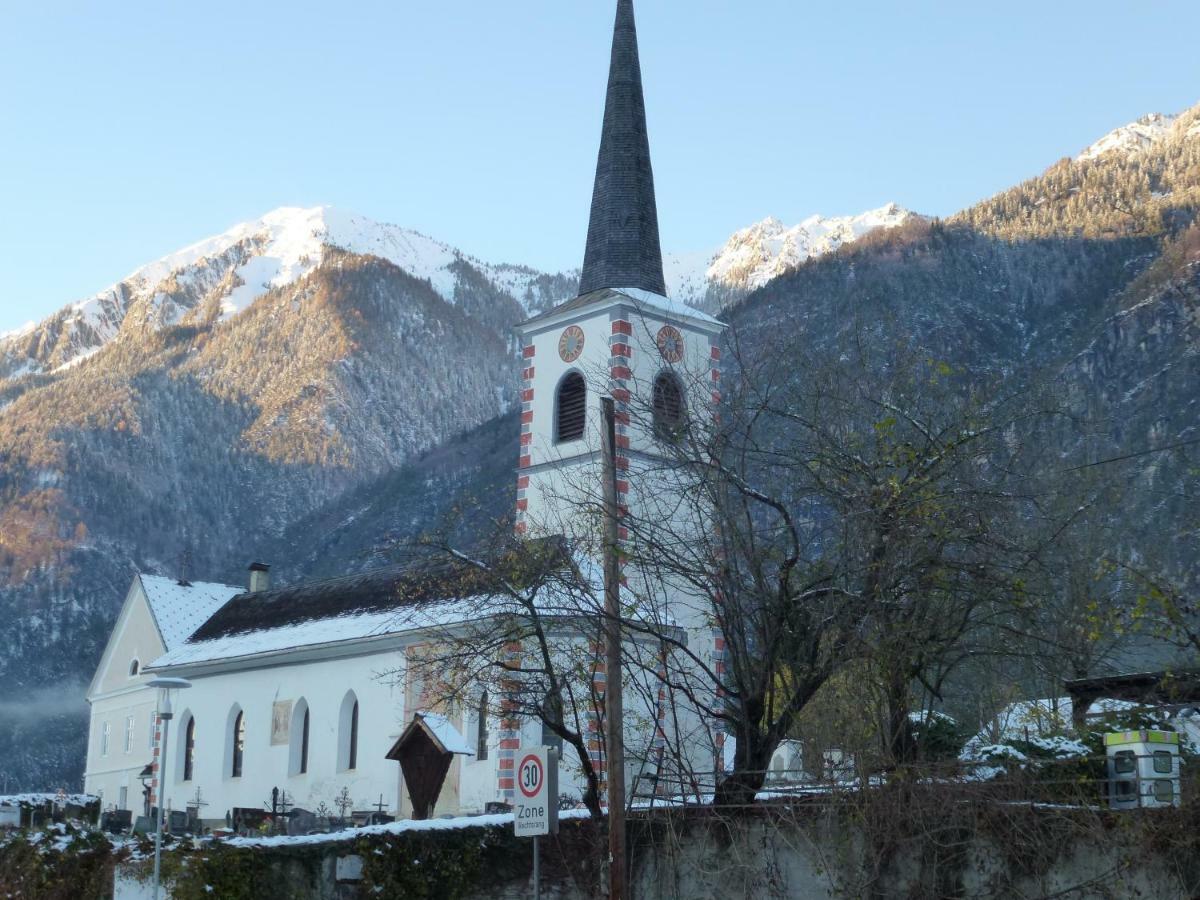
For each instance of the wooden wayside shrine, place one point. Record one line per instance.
(425, 751)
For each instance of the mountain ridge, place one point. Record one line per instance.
(220, 276)
(354, 405)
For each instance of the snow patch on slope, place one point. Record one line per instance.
(764, 251)
(18, 332)
(1134, 137)
(290, 243)
(272, 252)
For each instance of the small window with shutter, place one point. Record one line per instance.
(570, 408)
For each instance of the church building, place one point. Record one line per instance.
(307, 687)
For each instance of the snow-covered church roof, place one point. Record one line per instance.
(179, 609)
(374, 604)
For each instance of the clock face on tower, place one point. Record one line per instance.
(570, 345)
(670, 344)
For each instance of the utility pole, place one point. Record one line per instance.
(613, 692)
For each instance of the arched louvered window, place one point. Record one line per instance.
(570, 408)
(670, 413)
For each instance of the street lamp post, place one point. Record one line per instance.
(165, 714)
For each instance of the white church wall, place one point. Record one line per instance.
(122, 704)
(269, 755)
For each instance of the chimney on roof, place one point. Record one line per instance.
(185, 563)
(260, 577)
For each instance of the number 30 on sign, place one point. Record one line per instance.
(536, 808)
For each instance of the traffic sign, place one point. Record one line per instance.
(536, 809)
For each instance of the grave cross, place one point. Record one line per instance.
(198, 801)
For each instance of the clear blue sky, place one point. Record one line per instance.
(134, 127)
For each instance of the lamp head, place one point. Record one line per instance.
(165, 686)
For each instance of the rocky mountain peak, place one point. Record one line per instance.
(1144, 133)
(222, 276)
(767, 249)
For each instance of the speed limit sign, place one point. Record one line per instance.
(536, 808)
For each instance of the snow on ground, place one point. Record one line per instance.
(42, 799)
(18, 332)
(80, 358)
(401, 827)
(1132, 138)
(1044, 722)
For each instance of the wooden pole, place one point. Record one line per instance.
(613, 691)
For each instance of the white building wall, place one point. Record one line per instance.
(267, 759)
(116, 697)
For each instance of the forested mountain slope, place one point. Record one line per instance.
(346, 403)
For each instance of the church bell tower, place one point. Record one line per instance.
(621, 337)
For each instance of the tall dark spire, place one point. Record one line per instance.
(623, 249)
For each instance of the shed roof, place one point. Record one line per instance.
(439, 730)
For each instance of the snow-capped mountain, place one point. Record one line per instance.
(217, 278)
(762, 252)
(221, 276)
(1138, 136)
(323, 422)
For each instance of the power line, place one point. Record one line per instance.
(1138, 455)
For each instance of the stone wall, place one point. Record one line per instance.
(937, 851)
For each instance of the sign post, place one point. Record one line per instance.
(536, 809)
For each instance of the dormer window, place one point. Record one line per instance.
(670, 414)
(134, 668)
(570, 408)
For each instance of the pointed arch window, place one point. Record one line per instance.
(304, 744)
(570, 408)
(348, 733)
(134, 668)
(239, 745)
(298, 736)
(189, 749)
(670, 411)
